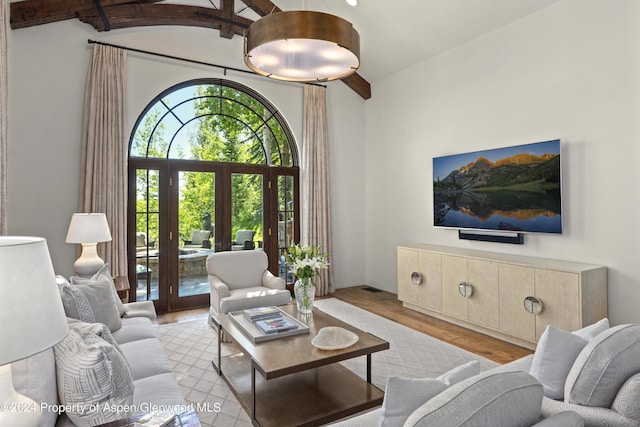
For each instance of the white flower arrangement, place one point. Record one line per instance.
(305, 261)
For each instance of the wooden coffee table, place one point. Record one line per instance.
(299, 384)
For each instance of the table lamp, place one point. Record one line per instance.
(88, 229)
(31, 319)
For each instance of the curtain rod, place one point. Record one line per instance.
(193, 61)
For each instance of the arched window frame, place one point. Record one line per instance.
(289, 138)
(160, 165)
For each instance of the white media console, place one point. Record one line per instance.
(513, 298)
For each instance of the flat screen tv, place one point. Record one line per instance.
(512, 189)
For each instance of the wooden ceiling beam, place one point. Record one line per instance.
(29, 13)
(262, 7)
(359, 85)
(140, 15)
(227, 9)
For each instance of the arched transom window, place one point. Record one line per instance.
(214, 120)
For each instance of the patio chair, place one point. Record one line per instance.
(142, 245)
(244, 240)
(199, 239)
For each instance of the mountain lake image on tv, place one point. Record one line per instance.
(514, 189)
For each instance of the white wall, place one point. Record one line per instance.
(47, 76)
(570, 71)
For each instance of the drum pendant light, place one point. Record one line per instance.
(302, 46)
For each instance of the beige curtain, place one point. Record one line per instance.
(4, 115)
(315, 209)
(104, 177)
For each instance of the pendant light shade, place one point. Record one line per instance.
(302, 46)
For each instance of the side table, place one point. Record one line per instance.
(122, 287)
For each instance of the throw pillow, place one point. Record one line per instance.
(104, 308)
(93, 378)
(75, 303)
(555, 353)
(590, 332)
(460, 373)
(603, 366)
(100, 295)
(103, 277)
(627, 401)
(404, 395)
(492, 398)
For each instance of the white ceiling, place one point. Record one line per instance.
(397, 34)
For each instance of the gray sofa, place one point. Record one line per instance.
(588, 377)
(602, 383)
(498, 397)
(149, 383)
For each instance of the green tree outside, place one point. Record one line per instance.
(147, 143)
(229, 127)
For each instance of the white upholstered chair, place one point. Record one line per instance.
(240, 280)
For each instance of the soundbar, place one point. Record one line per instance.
(492, 236)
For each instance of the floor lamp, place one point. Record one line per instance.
(88, 229)
(31, 319)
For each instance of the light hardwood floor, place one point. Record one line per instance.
(386, 304)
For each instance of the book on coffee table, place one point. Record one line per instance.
(262, 313)
(276, 325)
(253, 332)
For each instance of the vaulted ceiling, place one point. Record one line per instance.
(394, 35)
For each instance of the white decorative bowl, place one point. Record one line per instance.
(334, 338)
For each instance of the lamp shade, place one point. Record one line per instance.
(302, 46)
(88, 228)
(32, 318)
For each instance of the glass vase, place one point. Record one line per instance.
(304, 291)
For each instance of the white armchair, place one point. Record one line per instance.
(240, 280)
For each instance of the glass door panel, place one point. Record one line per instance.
(147, 234)
(185, 212)
(196, 231)
(286, 223)
(247, 211)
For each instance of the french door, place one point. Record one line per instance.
(184, 211)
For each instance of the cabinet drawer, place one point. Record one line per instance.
(560, 295)
(516, 283)
(483, 305)
(454, 272)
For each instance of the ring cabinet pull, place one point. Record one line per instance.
(465, 289)
(533, 305)
(416, 278)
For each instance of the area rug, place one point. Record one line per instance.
(192, 345)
